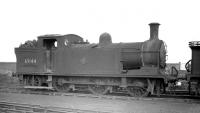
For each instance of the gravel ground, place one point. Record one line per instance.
(7, 81)
(114, 106)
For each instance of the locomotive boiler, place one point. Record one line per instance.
(68, 63)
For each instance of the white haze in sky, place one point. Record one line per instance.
(125, 20)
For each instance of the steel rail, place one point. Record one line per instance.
(13, 107)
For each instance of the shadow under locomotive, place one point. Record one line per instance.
(68, 63)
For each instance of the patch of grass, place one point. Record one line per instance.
(8, 81)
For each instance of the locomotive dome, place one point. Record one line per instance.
(105, 38)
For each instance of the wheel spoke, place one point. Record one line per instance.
(98, 89)
(37, 81)
(61, 87)
(136, 91)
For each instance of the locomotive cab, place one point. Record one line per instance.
(50, 44)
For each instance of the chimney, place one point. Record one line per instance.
(154, 31)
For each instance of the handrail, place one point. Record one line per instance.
(188, 66)
(172, 72)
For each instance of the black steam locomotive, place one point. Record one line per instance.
(68, 63)
(193, 68)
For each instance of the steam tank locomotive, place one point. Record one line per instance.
(68, 63)
(193, 68)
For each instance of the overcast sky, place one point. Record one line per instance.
(125, 20)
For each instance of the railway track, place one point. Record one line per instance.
(11, 107)
(163, 97)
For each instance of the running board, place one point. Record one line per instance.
(38, 87)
